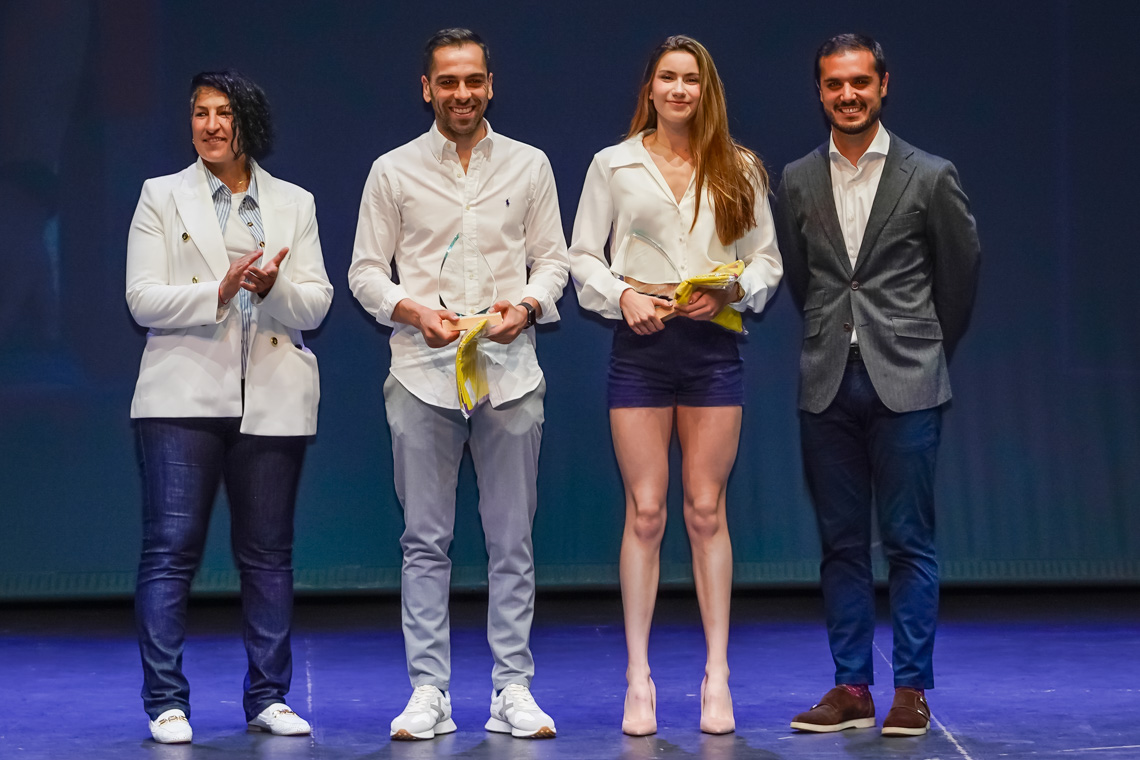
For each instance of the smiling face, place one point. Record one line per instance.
(851, 90)
(676, 88)
(212, 127)
(458, 89)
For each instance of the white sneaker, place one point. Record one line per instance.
(514, 711)
(279, 720)
(428, 713)
(171, 727)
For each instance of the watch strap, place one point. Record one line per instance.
(531, 314)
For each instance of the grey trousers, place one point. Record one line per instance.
(427, 447)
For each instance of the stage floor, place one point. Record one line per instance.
(1020, 675)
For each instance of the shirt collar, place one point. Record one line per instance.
(439, 143)
(216, 184)
(878, 147)
(631, 151)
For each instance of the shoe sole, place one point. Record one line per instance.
(172, 741)
(718, 731)
(404, 735)
(502, 727)
(629, 731)
(264, 730)
(901, 731)
(817, 728)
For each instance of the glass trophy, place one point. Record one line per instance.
(649, 270)
(467, 285)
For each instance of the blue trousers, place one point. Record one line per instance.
(183, 460)
(858, 453)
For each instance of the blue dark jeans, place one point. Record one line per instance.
(857, 452)
(183, 460)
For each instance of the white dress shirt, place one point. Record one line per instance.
(625, 192)
(854, 186)
(416, 200)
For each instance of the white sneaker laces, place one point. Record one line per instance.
(422, 698)
(521, 697)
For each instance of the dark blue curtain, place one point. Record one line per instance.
(1039, 472)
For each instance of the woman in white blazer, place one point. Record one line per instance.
(224, 269)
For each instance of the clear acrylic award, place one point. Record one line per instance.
(467, 285)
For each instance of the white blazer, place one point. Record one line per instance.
(191, 366)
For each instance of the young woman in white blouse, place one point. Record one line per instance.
(680, 184)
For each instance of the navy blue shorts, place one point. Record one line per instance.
(689, 363)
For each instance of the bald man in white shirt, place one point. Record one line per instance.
(462, 178)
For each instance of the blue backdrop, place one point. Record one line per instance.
(1039, 473)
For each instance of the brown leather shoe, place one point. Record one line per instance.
(909, 715)
(838, 709)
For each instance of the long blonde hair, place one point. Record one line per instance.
(728, 167)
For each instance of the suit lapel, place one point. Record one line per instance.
(278, 225)
(268, 216)
(196, 209)
(819, 180)
(897, 171)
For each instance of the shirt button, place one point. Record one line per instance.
(273, 341)
(185, 235)
(850, 217)
(194, 280)
(261, 244)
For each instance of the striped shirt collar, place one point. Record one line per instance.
(217, 186)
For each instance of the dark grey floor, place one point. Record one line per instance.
(1048, 674)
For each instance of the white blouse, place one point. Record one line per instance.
(626, 193)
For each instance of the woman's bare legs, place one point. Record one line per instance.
(641, 442)
(709, 439)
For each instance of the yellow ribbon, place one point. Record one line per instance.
(470, 378)
(723, 276)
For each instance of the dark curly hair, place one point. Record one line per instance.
(253, 127)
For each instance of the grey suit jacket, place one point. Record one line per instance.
(910, 292)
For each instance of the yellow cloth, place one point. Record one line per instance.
(470, 377)
(723, 276)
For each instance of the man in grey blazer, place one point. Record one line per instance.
(881, 252)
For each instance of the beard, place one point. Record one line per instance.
(847, 128)
(453, 126)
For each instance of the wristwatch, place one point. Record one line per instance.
(531, 314)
